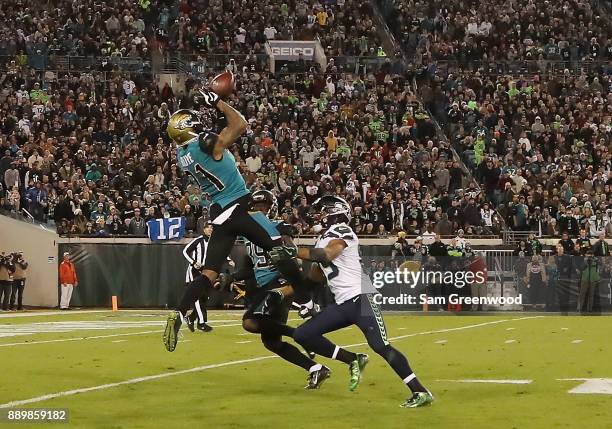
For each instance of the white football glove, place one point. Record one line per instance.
(207, 98)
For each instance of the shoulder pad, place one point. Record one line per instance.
(342, 231)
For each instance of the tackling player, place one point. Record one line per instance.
(205, 155)
(262, 277)
(337, 253)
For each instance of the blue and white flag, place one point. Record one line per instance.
(172, 228)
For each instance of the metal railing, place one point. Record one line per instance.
(525, 67)
(10, 63)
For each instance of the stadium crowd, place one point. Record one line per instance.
(38, 33)
(500, 31)
(539, 145)
(89, 153)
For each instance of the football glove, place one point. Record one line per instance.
(207, 98)
(305, 312)
(284, 252)
(197, 266)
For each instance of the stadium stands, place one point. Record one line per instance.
(500, 31)
(72, 141)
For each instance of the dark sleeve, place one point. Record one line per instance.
(190, 248)
(287, 229)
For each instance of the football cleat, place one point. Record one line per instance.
(356, 368)
(204, 327)
(316, 378)
(418, 399)
(173, 326)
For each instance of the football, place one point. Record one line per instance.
(223, 84)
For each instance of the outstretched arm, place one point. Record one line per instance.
(325, 255)
(236, 125)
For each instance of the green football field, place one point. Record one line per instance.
(110, 370)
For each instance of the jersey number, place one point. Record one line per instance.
(331, 274)
(211, 177)
(214, 180)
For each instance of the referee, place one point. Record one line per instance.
(195, 253)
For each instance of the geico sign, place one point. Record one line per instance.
(292, 52)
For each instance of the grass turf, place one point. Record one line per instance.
(269, 392)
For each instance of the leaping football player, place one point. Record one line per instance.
(337, 254)
(205, 156)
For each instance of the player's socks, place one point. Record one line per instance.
(414, 384)
(343, 355)
(400, 365)
(193, 292)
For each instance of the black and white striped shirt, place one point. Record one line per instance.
(195, 252)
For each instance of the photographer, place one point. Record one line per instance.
(6, 271)
(19, 279)
(589, 282)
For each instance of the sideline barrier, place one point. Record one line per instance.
(153, 275)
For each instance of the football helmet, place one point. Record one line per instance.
(184, 125)
(264, 196)
(332, 210)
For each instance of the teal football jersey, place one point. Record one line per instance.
(221, 179)
(264, 268)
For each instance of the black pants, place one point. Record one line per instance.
(5, 293)
(17, 292)
(360, 311)
(201, 315)
(254, 227)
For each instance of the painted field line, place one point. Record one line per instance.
(244, 342)
(577, 341)
(131, 381)
(441, 342)
(509, 341)
(51, 313)
(489, 381)
(118, 341)
(220, 365)
(459, 328)
(97, 337)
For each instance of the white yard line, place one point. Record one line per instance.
(577, 341)
(489, 381)
(244, 342)
(96, 337)
(223, 364)
(510, 341)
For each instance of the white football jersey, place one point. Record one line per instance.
(345, 276)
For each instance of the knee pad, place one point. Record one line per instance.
(385, 351)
